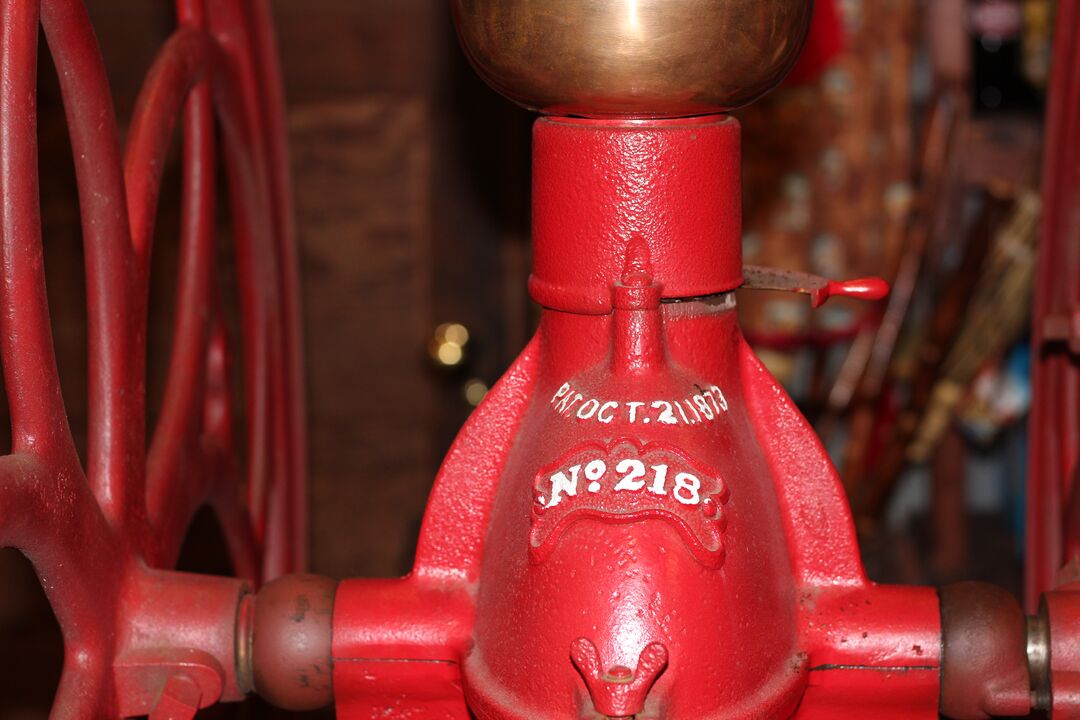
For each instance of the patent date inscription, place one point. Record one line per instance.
(704, 406)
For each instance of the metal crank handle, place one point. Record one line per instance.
(819, 289)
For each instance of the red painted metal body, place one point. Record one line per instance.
(637, 501)
(1062, 608)
(637, 522)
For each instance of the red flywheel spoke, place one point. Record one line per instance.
(102, 540)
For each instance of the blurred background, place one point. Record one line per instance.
(907, 144)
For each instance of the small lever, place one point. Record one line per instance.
(818, 288)
(619, 693)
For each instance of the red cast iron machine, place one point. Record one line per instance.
(636, 523)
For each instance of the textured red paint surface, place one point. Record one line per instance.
(784, 623)
(660, 606)
(597, 184)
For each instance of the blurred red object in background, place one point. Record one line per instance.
(825, 43)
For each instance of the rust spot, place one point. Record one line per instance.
(302, 607)
(874, 668)
(798, 663)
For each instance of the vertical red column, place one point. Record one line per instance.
(599, 183)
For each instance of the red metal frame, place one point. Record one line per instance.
(637, 522)
(139, 639)
(537, 594)
(502, 596)
(1053, 513)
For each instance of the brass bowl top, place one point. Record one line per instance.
(632, 58)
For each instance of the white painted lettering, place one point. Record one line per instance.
(701, 407)
(609, 408)
(563, 485)
(588, 409)
(666, 417)
(631, 470)
(560, 392)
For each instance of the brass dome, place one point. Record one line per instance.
(632, 58)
